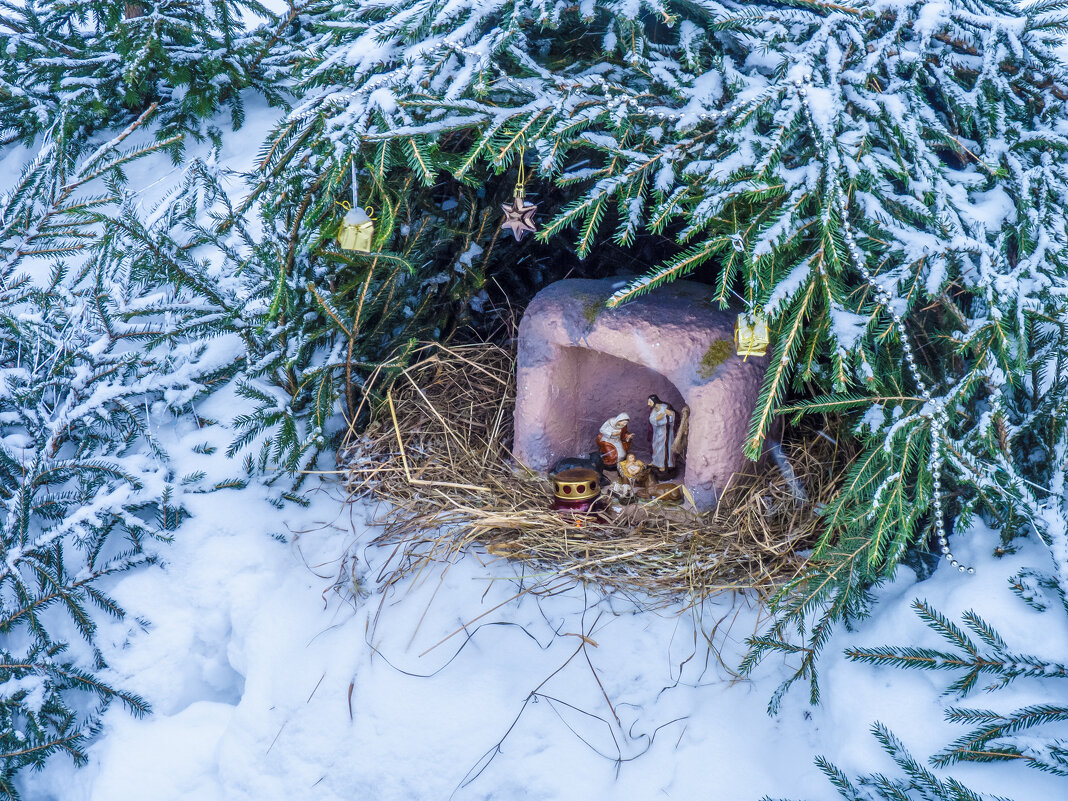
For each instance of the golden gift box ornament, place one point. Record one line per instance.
(357, 231)
(751, 335)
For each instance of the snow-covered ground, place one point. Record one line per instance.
(269, 684)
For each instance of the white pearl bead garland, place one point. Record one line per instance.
(939, 416)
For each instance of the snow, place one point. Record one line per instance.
(33, 688)
(848, 327)
(271, 680)
(788, 287)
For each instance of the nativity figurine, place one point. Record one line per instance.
(632, 471)
(682, 435)
(662, 419)
(613, 440)
(633, 475)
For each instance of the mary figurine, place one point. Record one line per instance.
(613, 440)
(662, 419)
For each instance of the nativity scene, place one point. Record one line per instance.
(658, 379)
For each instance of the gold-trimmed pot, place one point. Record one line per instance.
(575, 490)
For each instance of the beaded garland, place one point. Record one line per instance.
(937, 414)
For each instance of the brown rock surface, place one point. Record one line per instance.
(580, 363)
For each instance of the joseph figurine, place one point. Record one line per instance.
(662, 419)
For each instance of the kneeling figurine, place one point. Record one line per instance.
(613, 440)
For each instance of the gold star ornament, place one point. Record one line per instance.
(519, 217)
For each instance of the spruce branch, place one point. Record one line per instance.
(967, 656)
(982, 743)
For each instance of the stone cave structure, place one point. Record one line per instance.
(580, 363)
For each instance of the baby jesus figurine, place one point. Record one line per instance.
(633, 473)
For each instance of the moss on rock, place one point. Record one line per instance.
(718, 352)
(591, 308)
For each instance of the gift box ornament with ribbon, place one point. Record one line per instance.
(751, 335)
(357, 231)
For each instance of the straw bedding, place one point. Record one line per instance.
(436, 452)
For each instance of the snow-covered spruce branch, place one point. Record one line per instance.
(914, 778)
(984, 653)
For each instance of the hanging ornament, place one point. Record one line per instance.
(357, 229)
(751, 334)
(751, 328)
(358, 225)
(519, 215)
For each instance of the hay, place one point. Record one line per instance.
(437, 453)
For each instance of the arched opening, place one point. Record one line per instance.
(599, 386)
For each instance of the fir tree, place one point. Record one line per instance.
(85, 488)
(104, 314)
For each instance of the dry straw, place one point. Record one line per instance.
(437, 452)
